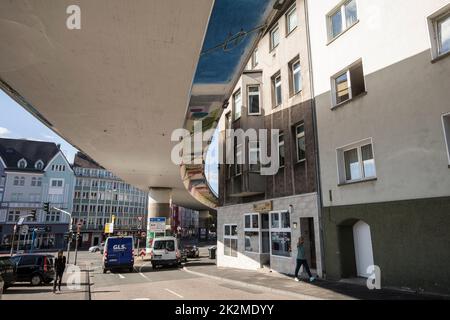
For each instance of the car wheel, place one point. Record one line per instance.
(36, 280)
(130, 269)
(154, 265)
(104, 270)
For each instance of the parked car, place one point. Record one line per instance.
(34, 268)
(191, 251)
(118, 253)
(98, 248)
(7, 271)
(166, 251)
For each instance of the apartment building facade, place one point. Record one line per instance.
(381, 87)
(261, 217)
(32, 173)
(99, 195)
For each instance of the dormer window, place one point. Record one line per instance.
(39, 165)
(22, 163)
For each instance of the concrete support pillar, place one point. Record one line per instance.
(159, 201)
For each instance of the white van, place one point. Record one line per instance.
(165, 251)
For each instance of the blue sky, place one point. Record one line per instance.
(17, 123)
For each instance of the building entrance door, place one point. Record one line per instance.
(307, 231)
(363, 248)
(265, 240)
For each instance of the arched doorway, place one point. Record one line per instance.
(363, 248)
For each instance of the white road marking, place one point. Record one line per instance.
(121, 276)
(173, 292)
(143, 275)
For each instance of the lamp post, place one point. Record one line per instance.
(69, 238)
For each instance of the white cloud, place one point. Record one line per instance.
(4, 132)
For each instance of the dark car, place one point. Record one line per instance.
(191, 251)
(34, 268)
(7, 271)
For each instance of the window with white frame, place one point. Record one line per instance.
(39, 165)
(253, 100)
(16, 181)
(291, 20)
(439, 25)
(22, 163)
(274, 37)
(253, 156)
(281, 149)
(255, 57)
(300, 142)
(19, 181)
(446, 126)
(341, 18)
(295, 82)
(356, 162)
(230, 240)
(57, 183)
(280, 233)
(237, 104)
(348, 84)
(276, 88)
(13, 215)
(238, 160)
(251, 232)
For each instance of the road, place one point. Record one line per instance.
(144, 283)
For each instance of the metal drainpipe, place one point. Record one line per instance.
(316, 141)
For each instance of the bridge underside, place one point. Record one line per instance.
(119, 86)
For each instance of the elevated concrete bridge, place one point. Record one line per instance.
(135, 71)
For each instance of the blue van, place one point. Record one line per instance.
(118, 253)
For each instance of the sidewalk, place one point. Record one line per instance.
(24, 291)
(318, 290)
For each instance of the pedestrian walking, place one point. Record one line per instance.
(60, 266)
(301, 260)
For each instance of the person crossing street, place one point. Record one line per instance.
(60, 267)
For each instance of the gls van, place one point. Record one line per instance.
(118, 253)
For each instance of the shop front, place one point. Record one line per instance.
(265, 234)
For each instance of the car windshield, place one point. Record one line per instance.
(169, 245)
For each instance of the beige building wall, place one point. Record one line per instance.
(407, 94)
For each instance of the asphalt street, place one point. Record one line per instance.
(144, 283)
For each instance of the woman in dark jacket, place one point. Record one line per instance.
(60, 266)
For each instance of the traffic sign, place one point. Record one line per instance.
(143, 234)
(157, 224)
(142, 253)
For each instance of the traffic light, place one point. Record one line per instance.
(47, 207)
(33, 214)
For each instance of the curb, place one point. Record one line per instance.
(255, 286)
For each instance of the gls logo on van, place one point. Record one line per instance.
(119, 247)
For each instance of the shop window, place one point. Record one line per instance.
(251, 232)
(280, 234)
(230, 240)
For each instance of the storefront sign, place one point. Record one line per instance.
(262, 206)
